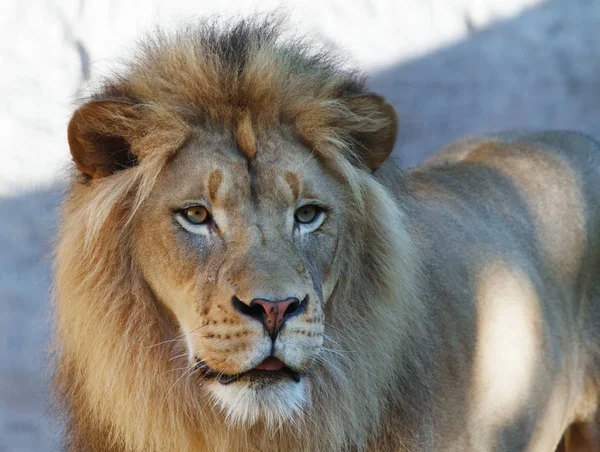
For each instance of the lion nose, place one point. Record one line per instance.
(272, 314)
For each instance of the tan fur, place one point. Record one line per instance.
(449, 308)
(558, 208)
(533, 282)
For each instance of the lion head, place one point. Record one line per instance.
(227, 262)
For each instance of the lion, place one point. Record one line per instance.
(240, 266)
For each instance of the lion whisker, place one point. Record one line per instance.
(177, 339)
(189, 369)
(337, 352)
(179, 356)
(174, 370)
(180, 338)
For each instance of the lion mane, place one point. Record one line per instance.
(114, 343)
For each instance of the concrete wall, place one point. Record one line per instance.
(450, 68)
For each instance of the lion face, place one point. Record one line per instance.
(225, 245)
(240, 253)
(221, 192)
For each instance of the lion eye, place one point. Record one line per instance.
(307, 214)
(196, 214)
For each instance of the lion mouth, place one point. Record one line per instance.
(269, 371)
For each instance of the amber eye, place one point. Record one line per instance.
(196, 214)
(307, 214)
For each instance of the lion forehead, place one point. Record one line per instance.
(213, 168)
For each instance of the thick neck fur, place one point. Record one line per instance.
(122, 393)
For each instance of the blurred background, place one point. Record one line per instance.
(450, 67)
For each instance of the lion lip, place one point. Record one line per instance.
(270, 369)
(271, 363)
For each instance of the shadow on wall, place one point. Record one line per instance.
(538, 70)
(27, 228)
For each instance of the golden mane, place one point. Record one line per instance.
(113, 342)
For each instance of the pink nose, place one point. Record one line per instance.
(272, 314)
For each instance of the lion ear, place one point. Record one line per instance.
(99, 136)
(373, 127)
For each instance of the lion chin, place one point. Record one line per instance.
(247, 401)
(271, 393)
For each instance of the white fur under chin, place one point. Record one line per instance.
(272, 404)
